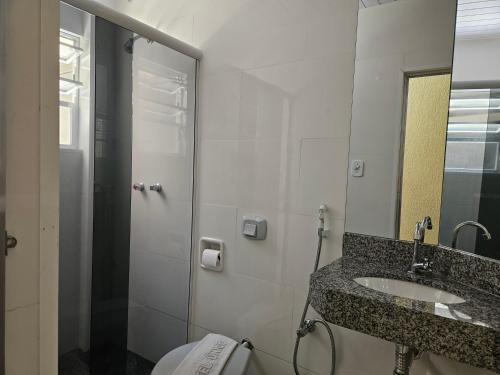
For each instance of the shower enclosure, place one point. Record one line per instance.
(127, 130)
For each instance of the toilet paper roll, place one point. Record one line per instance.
(210, 258)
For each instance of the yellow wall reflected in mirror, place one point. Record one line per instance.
(423, 155)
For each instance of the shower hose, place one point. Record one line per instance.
(308, 325)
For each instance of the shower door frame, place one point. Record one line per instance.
(96, 9)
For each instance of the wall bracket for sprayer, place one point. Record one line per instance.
(322, 231)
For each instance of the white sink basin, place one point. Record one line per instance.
(409, 290)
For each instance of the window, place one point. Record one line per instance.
(69, 84)
(473, 134)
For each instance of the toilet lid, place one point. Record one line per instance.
(170, 361)
(236, 365)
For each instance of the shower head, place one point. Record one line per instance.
(128, 46)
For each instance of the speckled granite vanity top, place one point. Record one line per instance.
(468, 332)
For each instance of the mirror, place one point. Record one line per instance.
(425, 132)
(471, 184)
(399, 125)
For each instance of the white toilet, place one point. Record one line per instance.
(236, 365)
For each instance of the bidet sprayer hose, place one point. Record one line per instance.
(308, 325)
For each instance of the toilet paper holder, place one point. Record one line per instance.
(207, 243)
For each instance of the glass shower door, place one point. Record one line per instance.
(163, 102)
(143, 179)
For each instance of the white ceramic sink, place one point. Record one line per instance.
(409, 290)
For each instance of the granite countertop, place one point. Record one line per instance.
(468, 332)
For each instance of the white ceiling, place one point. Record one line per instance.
(479, 18)
(475, 18)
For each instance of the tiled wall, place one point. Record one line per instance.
(274, 108)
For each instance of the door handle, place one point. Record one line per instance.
(10, 242)
(156, 187)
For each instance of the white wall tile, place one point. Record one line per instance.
(239, 306)
(152, 334)
(222, 30)
(219, 112)
(196, 333)
(322, 176)
(262, 363)
(217, 169)
(263, 109)
(317, 101)
(260, 171)
(300, 247)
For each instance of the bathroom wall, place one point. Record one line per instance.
(274, 117)
(472, 56)
(274, 97)
(32, 186)
(423, 42)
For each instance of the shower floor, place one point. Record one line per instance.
(76, 362)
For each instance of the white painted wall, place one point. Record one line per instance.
(393, 39)
(274, 118)
(474, 57)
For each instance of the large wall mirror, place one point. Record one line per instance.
(424, 132)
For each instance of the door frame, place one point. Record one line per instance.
(406, 77)
(2, 184)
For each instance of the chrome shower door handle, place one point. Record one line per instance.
(139, 186)
(156, 187)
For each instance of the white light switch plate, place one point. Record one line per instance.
(357, 168)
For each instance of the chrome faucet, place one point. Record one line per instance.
(418, 238)
(456, 231)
